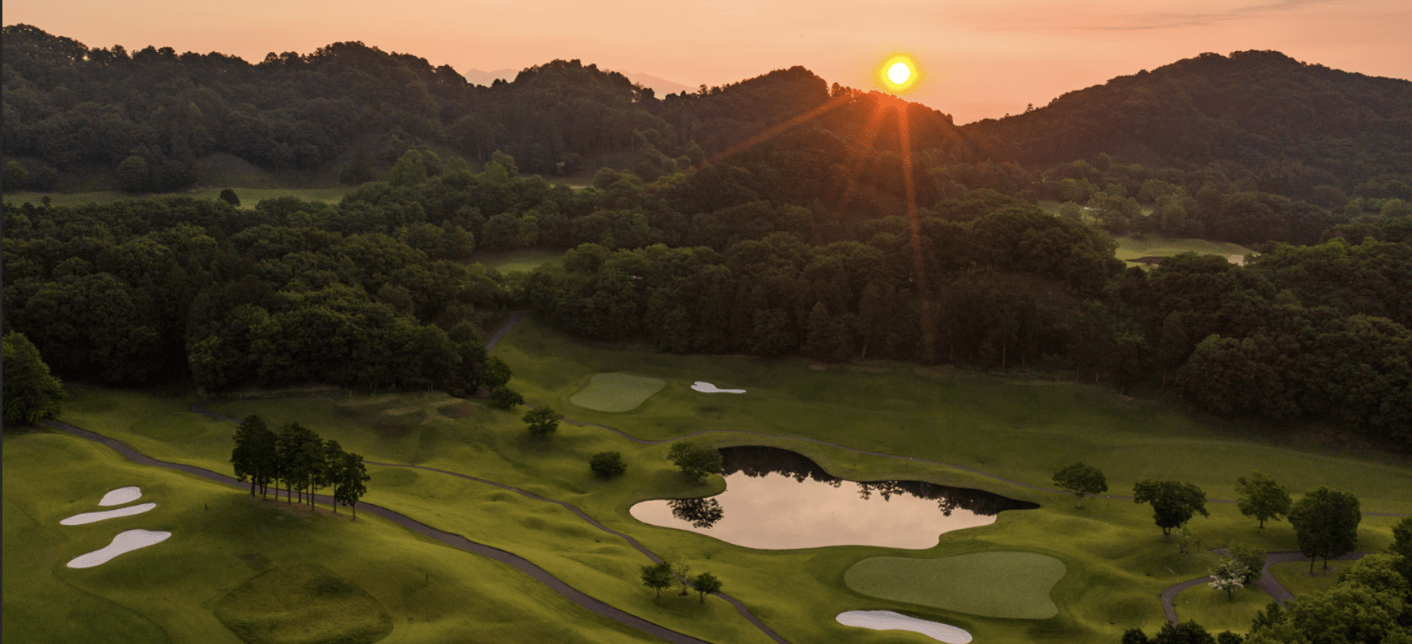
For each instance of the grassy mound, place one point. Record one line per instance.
(616, 392)
(303, 604)
(1295, 577)
(993, 584)
(1218, 612)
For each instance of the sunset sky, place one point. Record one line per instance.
(981, 59)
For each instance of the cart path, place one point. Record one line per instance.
(450, 539)
(1268, 582)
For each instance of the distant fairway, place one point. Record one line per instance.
(303, 604)
(993, 584)
(1130, 248)
(522, 261)
(616, 392)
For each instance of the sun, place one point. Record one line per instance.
(898, 74)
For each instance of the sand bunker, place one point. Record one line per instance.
(122, 495)
(90, 517)
(886, 620)
(708, 388)
(124, 542)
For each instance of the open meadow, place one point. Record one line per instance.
(869, 421)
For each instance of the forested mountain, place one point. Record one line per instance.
(773, 216)
(1302, 130)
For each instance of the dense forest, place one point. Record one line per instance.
(775, 216)
(377, 291)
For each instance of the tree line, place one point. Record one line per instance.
(297, 457)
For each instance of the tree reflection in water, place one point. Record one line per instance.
(702, 513)
(762, 461)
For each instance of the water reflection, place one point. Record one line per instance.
(778, 499)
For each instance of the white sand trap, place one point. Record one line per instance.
(90, 517)
(708, 388)
(121, 495)
(886, 620)
(124, 542)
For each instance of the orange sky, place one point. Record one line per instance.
(982, 59)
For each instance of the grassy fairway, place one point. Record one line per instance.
(1215, 611)
(616, 392)
(220, 539)
(248, 196)
(1117, 561)
(299, 603)
(1130, 248)
(992, 584)
(1296, 578)
(521, 261)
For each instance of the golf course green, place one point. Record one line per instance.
(1006, 584)
(869, 421)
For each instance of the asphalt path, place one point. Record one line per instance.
(1268, 582)
(450, 539)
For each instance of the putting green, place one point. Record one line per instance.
(616, 392)
(993, 584)
(303, 603)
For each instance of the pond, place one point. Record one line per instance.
(776, 499)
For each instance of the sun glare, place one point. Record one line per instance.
(898, 74)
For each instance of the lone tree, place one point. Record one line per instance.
(695, 460)
(350, 480)
(32, 394)
(503, 397)
(681, 569)
(1229, 575)
(706, 584)
(1081, 480)
(1262, 498)
(1173, 502)
(229, 196)
(1326, 523)
(657, 576)
(543, 421)
(607, 464)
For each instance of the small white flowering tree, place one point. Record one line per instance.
(1229, 575)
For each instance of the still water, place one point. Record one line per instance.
(776, 499)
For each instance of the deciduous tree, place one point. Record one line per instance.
(32, 394)
(657, 576)
(1326, 523)
(706, 584)
(1081, 480)
(695, 460)
(1262, 498)
(1173, 502)
(542, 421)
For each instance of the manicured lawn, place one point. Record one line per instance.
(1214, 610)
(520, 261)
(1133, 247)
(616, 392)
(222, 538)
(299, 602)
(1296, 578)
(248, 196)
(992, 584)
(1116, 560)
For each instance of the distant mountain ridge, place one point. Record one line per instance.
(658, 84)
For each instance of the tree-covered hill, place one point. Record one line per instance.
(1303, 130)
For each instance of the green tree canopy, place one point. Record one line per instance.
(706, 584)
(1326, 523)
(695, 459)
(542, 421)
(1173, 502)
(657, 576)
(1081, 480)
(32, 394)
(1262, 498)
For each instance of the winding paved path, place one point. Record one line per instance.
(1268, 582)
(453, 540)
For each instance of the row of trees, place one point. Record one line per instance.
(1325, 521)
(296, 456)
